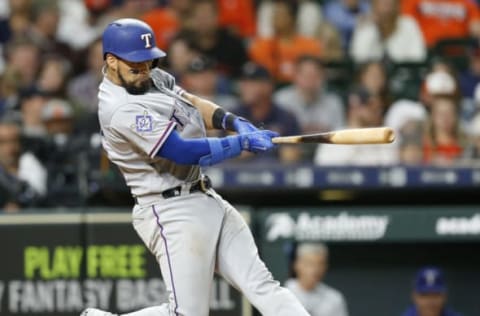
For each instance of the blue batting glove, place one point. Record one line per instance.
(257, 142)
(243, 126)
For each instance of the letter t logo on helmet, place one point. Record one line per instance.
(147, 37)
(132, 40)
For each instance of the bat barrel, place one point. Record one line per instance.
(376, 135)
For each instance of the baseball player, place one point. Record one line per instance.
(154, 131)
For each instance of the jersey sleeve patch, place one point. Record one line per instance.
(143, 128)
(144, 123)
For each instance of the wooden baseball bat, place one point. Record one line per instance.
(375, 135)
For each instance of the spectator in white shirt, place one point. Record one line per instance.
(364, 110)
(310, 267)
(387, 34)
(316, 109)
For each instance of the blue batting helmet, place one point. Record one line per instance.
(132, 40)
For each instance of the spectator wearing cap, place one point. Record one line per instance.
(441, 81)
(57, 116)
(364, 110)
(310, 266)
(202, 79)
(257, 105)
(408, 119)
(66, 161)
(387, 34)
(429, 294)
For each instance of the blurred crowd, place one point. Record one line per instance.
(293, 66)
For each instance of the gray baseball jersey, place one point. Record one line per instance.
(135, 127)
(192, 234)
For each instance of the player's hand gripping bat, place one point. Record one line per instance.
(375, 135)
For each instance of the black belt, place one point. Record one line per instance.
(201, 185)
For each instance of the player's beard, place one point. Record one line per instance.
(133, 88)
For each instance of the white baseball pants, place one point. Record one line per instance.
(195, 234)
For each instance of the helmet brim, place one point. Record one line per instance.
(143, 55)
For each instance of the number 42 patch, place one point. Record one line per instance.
(143, 123)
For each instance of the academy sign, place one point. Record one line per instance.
(341, 226)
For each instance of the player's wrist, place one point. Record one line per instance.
(224, 120)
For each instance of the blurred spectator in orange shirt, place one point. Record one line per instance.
(441, 19)
(166, 21)
(279, 53)
(238, 15)
(443, 142)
